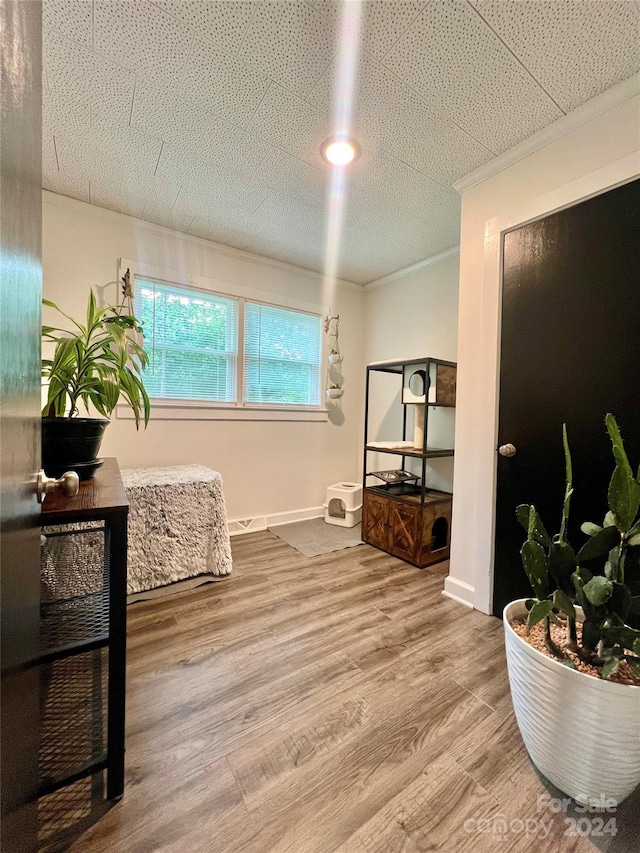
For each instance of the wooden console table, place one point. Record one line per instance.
(83, 634)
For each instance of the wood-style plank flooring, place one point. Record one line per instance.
(339, 703)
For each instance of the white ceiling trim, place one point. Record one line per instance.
(161, 231)
(629, 88)
(428, 262)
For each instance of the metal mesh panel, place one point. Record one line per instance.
(65, 814)
(74, 585)
(73, 714)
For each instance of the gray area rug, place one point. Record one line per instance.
(315, 537)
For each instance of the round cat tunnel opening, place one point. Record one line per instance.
(439, 534)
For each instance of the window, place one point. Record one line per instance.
(282, 356)
(191, 339)
(212, 348)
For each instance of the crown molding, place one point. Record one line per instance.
(420, 265)
(163, 231)
(609, 99)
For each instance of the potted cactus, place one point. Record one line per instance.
(573, 651)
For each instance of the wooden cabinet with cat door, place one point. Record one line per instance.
(400, 513)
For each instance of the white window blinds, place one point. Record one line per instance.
(282, 356)
(191, 338)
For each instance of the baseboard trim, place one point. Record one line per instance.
(247, 525)
(263, 522)
(459, 591)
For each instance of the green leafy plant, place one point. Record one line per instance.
(594, 577)
(96, 363)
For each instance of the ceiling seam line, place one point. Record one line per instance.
(405, 31)
(432, 106)
(133, 97)
(286, 89)
(295, 157)
(324, 71)
(155, 171)
(414, 169)
(55, 151)
(170, 15)
(255, 170)
(255, 112)
(95, 53)
(195, 33)
(175, 201)
(244, 34)
(516, 57)
(186, 62)
(93, 27)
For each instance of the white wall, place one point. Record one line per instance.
(412, 316)
(267, 467)
(585, 160)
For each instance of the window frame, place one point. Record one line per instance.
(242, 385)
(184, 409)
(231, 368)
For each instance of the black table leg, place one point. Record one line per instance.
(116, 532)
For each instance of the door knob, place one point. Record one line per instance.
(68, 484)
(507, 450)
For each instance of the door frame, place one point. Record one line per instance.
(490, 330)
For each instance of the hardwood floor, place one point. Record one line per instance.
(338, 703)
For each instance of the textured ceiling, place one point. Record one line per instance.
(208, 116)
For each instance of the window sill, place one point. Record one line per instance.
(197, 412)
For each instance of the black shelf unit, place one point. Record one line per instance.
(397, 490)
(398, 367)
(429, 453)
(398, 517)
(83, 639)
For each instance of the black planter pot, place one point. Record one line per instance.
(72, 444)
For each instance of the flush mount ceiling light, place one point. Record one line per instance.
(339, 152)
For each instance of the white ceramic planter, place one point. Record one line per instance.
(336, 358)
(581, 732)
(334, 393)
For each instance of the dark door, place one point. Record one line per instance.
(570, 353)
(20, 294)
